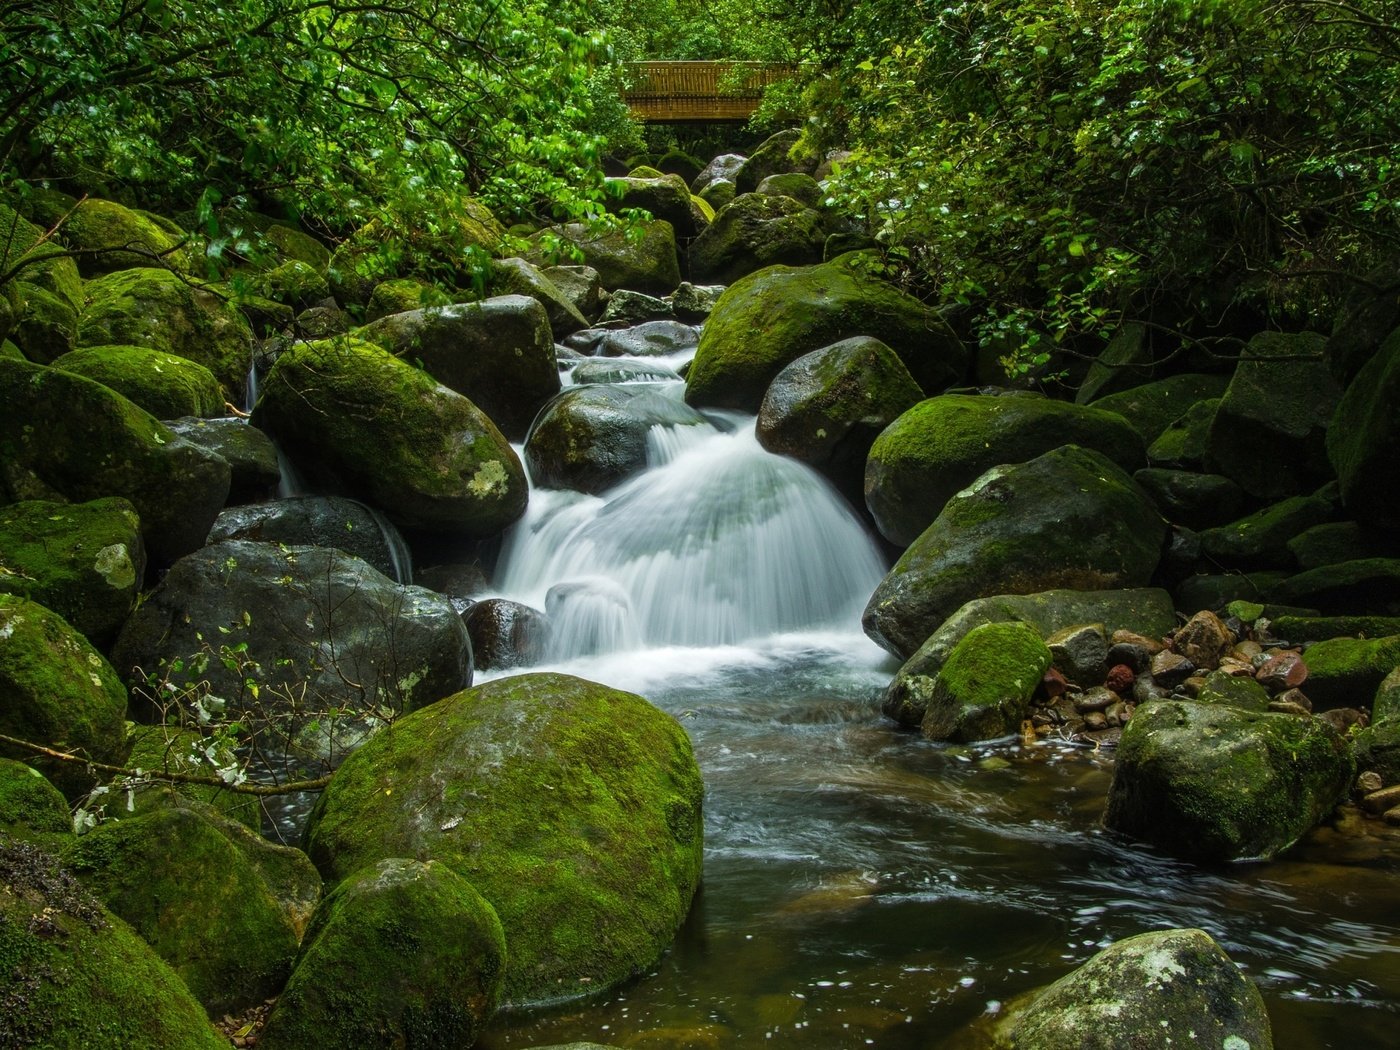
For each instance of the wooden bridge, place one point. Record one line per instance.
(700, 92)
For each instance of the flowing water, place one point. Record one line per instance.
(863, 887)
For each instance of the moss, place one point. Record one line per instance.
(1378, 750)
(1245, 693)
(572, 807)
(293, 283)
(1320, 628)
(1339, 541)
(402, 294)
(22, 241)
(1184, 442)
(1260, 540)
(984, 689)
(166, 386)
(170, 749)
(643, 261)
(773, 155)
(1363, 442)
(45, 325)
(662, 197)
(753, 231)
(106, 228)
(294, 245)
(1152, 407)
(1345, 672)
(1366, 586)
(28, 800)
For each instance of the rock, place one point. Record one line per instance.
(1334, 542)
(84, 561)
(1184, 444)
(1300, 627)
(798, 185)
(109, 236)
(294, 283)
(1220, 687)
(45, 324)
(196, 897)
(402, 294)
(678, 162)
(164, 385)
(312, 618)
(984, 689)
(1068, 518)
(1346, 672)
(1386, 705)
(1152, 407)
(827, 408)
(506, 634)
(943, 444)
(1079, 651)
(42, 263)
(1170, 669)
(667, 197)
(30, 802)
(719, 193)
(323, 321)
(1281, 670)
(590, 438)
(1217, 783)
(591, 877)
(581, 285)
(518, 277)
(1155, 989)
(1194, 500)
(628, 308)
(1126, 362)
(1204, 639)
(164, 312)
(693, 303)
(354, 418)
(621, 370)
(650, 339)
(1147, 610)
(1260, 540)
(254, 472)
(1378, 749)
(770, 318)
(68, 962)
(498, 352)
(773, 156)
(454, 579)
(1369, 315)
(753, 231)
(1369, 586)
(724, 166)
(402, 953)
(649, 264)
(320, 521)
(170, 748)
(1276, 410)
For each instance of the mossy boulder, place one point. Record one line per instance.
(320, 521)
(499, 352)
(1334, 542)
(1346, 672)
(1221, 687)
(827, 408)
(646, 261)
(1365, 586)
(1152, 407)
(753, 231)
(1276, 410)
(667, 197)
(717, 194)
(254, 472)
(984, 689)
(1214, 782)
(1260, 540)
(1363, 442)
(356, 419)
(293, 283)
(402, 954)
(66, 437)
(30, 802)
(57, 691)
(1197, 501)
(1378, 750)
(164, 385)
(1302, 627)
(941, 445)
(45, 325)
(1185, 443)
(1067, 519)
(401, 294)
(167, 747)
(572, 807)
(795, 184)
(109, 236)
(517, 277)
(679, 162)
(769, 319)
(75, 977)
(41, 262)
(581, 285)
(774, 155)
(179, 880)
(162, 311)
(724, 166)
(1156, 989)
(1125, 362)
(85, 561)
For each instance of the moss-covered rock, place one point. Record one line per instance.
(771, 318)
(941, 445)
(1185, 442)
(1260, 540)
(41, 263)
(1301, 628)
(293, 283)
(581, 285)
(1334, 542)
(666, 197)
(984, 689)
(1214, 782)
(1125, 362)
(109, 236)
(678, 162)
(1197, 501)
(1152, 407)
(499, 352)
(1363, 442)
(85, 561)
(774, 155)
(646, 263)
(162, 311)
(1346, 672)
(65, 437)
(254, 472)
(1378, 750)
(1069, 518)
(518, 277)
(76, 978)
(164, 385)
(56, 690)
(402, 954)
(166, 748)
(572, 807)
(1366, 586)
(29, 801)
(753, 231)
(402, 294)
(1220, 687)
(355, 418)
(45, 324)
(717, 194)
(1163, 988)
(795, 184)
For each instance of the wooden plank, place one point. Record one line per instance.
(675, 92)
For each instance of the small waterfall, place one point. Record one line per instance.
(399, 556)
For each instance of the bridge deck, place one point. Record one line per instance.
(700, 92)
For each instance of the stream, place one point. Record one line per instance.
(863, 887)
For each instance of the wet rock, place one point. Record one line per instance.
(649, 264)
(651, 339)
(1203, 639)
(320, 521)
(1347, 672)
(1281, 670)
(1220, 687)
(506, 634)
(1296, 698)
(517, 277)
(581, 285)
(1311, 627)
(1344, 719)
(1363, 444)
(628, 308)
(984, 689)
(1080, 651)
(1369, 586)
(724, 166)
(1170, 669)
(1125, 362)
(1218, 591)
(1099, 698)
(693, 303)
(617, 370)
(773, 156)
(401, 294)
(1184, 443)
(754, 231)
(1260, 540)
(252, 457)
(798, 185)
(1136, 656)
(1197, 501)
(667, 197)
(1152, 407)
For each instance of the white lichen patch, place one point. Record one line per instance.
(1160, 966)
(1235, 1042)
(490, 479)
(113, 564)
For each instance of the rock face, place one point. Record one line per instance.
(164, 385)
(85, 981)
(1213, 782)
(498, 352)
(649, 265)
(250, 454)
(755, 230)
(1156, 989)
(320, 521)
(354, 418)
(403, 953)
(1068, 518)
(96, 443)
(309, 615)
(573, 808)
(1363, 442)
(942, 445)
(770, 318)
(984, 690)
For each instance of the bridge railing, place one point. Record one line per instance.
(677, 92)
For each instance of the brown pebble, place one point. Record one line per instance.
(1236, 668)
(1120, 678)
(1054, 683)
(1368, 782)
(1152, 645)
(1295, 696)
(1382, 801)
(1192, 686)
(1283, 707)
(1095, 720)
(1246, 650)
(1392, 816)
(1343, 718)
(1169, 669)
(1282, 669)
(1204, 639)
(1095, 699)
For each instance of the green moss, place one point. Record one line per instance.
(1260, 540)
(1320, 628)
(1223, 688)
(22, 241)
(643, 261)
(45, 325)
(1345, 672)
(984, 689)
(106, 228)
(169, 749)
(402, 294)
(1378, 750)
(753, 231)
(166, 386)
(29, 801)
(1152, 407)
(1184, 442)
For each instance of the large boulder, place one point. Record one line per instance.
(320, 521)
(572, 807)
(163, 311)
(518, 277)
(36, 261)
(45, 324)
(1197, 501)
(499, 352)
(76, 978)
(85, 561)
(1346, 672)
(96, 443)
(107, 236)
(1363, 442)
(649, 339)
(1069, 518)
(1365, 586)
(1152, 407)
(724, 166)
(1162, 988)
(356, 419)
(940, 446)
(771, 318)
(1215, 782)
(29, 802)
(645, 262)
(984, 689)
(402, 953)
(250, 454)
(313, 619)
(773, 156)
(755, 230)
(1125, 362)
(1260, 540)
(665, 198)
(57, 691)
(166, 386)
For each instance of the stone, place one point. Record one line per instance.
(1080, 651)
(646, 264)
(294, 283)
(676, 161)
(1369, 314)
(401, 953)
(581, 285)
(166, 386)
(650, 339)
(44, 264)
(1347, 672)
(30, 802)
(1334, 542)
(320, 521)
(773, 156)
(1282, 669)
(943, 444)
(506, 634)
(1152, 407)
(983, 691)
(110, 236)
(45, 324)
(1220, 687)
(622, 370)
(1368, 586)
(693, 303)
(1197, 501)
(254, 472)
(515, 276)
(1386, 705)
(1068, 518)
(753, 231)
(1214, 782)
(1378, 750)
(171, 748)
(402, 294)
(1260, 540)
(667, 197)
(1156, 989)
(770, 318)
(1204, 639)
(574, 809)
(724, 166)
(1170, 669)
(353, 418)
(719, 193)
(1125, 362)
(1314, 628)
(1120, 679)
(626, 307)
(1218, 591)
(1184, 444)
